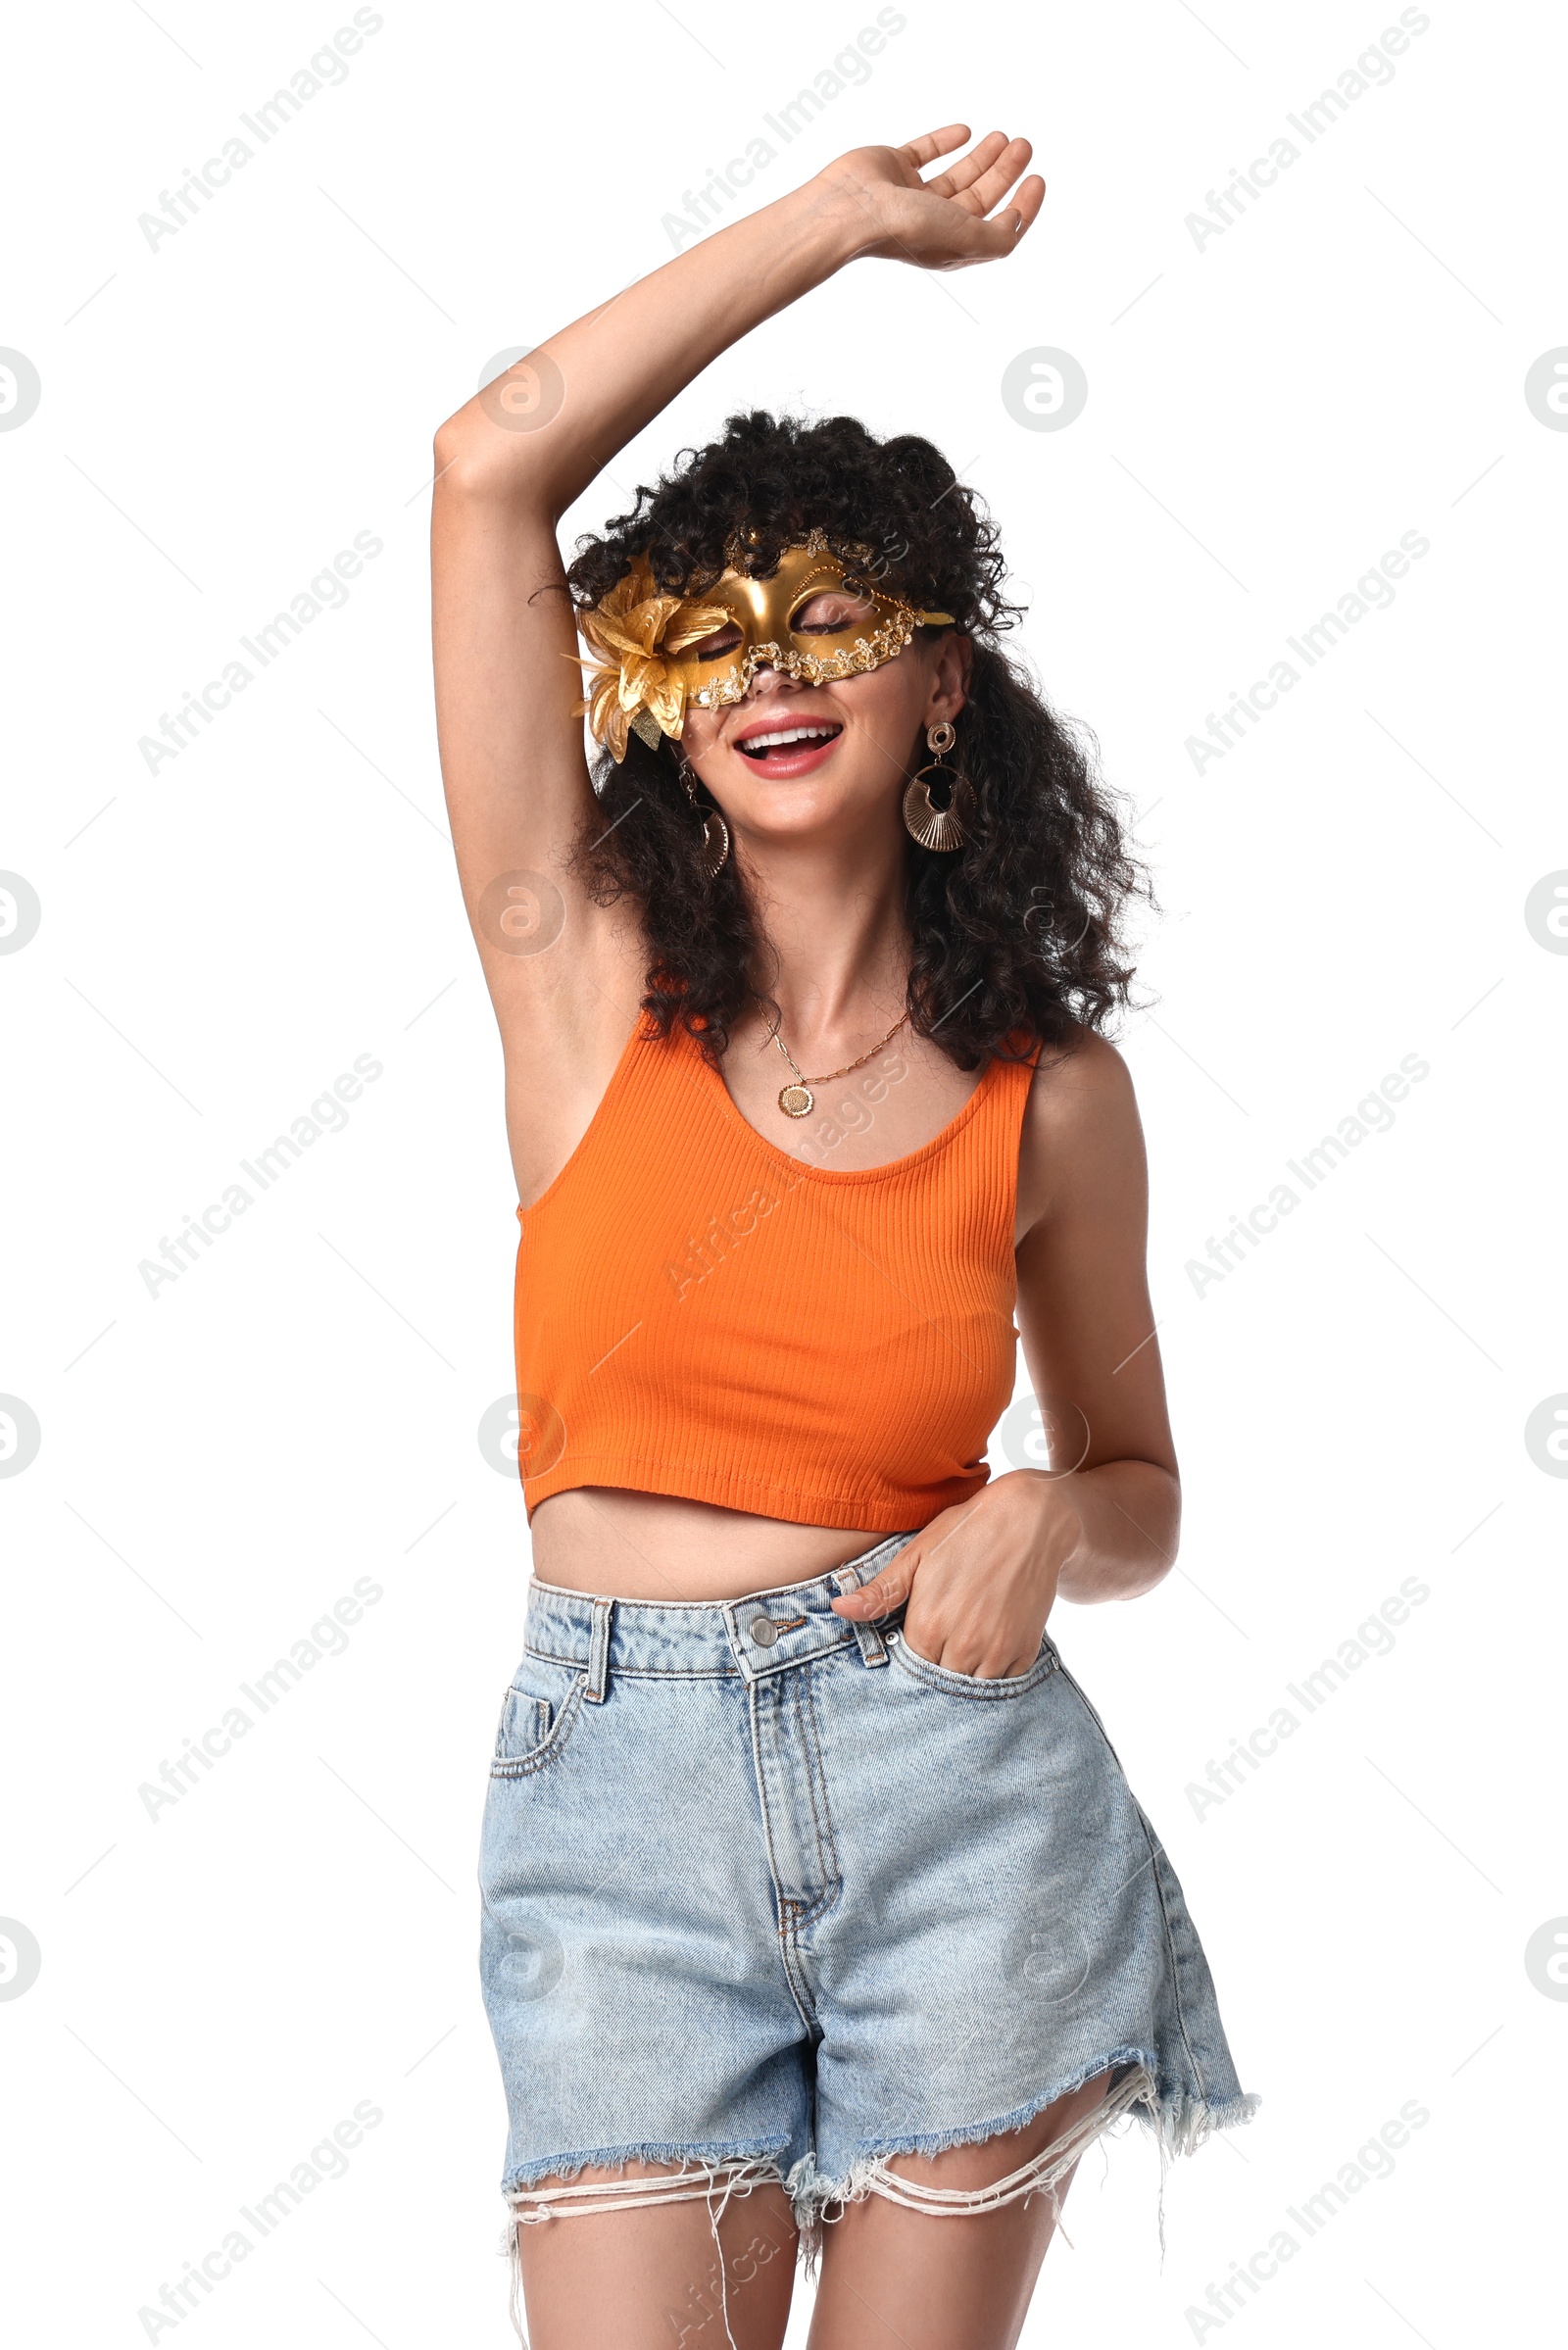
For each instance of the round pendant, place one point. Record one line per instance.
(797, 1101)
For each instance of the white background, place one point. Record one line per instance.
(219, 1463)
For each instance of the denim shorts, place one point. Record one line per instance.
(768, 1896)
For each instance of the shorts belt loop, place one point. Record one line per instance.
(599, 1653)
(873, 1646)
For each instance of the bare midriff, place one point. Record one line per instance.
(626, 1545)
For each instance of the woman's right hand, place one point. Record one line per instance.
(948, 222)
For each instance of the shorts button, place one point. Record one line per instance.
(762, 1630)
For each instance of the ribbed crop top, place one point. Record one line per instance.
(697, 1313)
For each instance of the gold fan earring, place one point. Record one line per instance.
(944, 826)
(715, 832)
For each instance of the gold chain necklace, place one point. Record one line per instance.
(798, 1101)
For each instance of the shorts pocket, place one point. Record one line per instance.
(534, 1728)
(525, 1724)
(972, 1685)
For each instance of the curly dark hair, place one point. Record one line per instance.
(1017, 938)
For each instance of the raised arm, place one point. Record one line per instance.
(508, 466)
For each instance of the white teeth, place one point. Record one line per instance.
(789, 734)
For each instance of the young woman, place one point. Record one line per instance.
(813, 1890)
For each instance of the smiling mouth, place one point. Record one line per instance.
(777, 745)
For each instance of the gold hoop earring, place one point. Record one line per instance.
(715, 832)
(934, 827)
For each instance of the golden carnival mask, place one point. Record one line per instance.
(654, 654)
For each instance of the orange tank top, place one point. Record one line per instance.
(698, 1313)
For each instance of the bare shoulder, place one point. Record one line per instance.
(1081, 1146)
(1079, 1083)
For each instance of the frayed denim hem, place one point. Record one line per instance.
(715, 2174)
(701, 2156)
(1179, 2121)
(1180, 2124)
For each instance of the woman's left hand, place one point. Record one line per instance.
(980, 1579)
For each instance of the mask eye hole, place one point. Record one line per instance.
(716, 646)
(830, 612)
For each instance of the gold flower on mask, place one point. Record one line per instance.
(634, 684)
